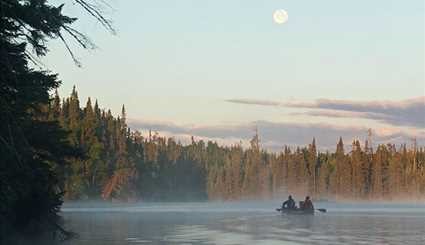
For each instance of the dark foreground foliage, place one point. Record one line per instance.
(33, 152)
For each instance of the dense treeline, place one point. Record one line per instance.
(123, 164)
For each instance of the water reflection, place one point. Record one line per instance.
(233, 224)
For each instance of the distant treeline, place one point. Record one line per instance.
(122, 164)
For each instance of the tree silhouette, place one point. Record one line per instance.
(33, 148)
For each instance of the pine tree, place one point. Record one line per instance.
(55, 107)
(33, 149)
(251, 181)
(311, 167)
(359, 181)
(343, 172)
(377, 172)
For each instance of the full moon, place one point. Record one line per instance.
(280, 16)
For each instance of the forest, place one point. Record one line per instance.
(121, 164)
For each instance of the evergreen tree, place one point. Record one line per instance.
(343, 172)
(251, 178)
(311, 167)
(32, 148)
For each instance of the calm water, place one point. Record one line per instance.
(243, 223)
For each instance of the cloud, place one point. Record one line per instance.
(274, 135)
(340, 114)
(410, 112)
(254, 102)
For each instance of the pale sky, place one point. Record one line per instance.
(190, 63)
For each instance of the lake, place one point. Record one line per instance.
(243, 223)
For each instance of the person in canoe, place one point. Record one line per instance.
(307, 205)
(289, 204)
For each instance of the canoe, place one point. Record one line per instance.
(296, 212)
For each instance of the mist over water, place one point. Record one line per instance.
(253, 222)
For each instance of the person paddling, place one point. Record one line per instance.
(307, 205)
(289, 204)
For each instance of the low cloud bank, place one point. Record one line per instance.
(274, 135)
(410, 112)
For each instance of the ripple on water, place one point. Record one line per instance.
(232, 224)
(137, 240)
